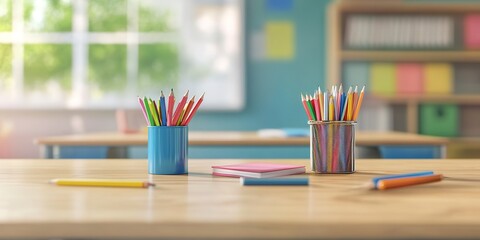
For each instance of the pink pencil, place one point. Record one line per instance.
(317, 107)
(171, 102)
(194, 110)
(179, 109)
(140, 101)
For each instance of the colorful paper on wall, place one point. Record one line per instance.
(438, 78)
(383, 78)
(280, 40)
(472, 31)
(409, 78)
(279, 5)
(257, 45)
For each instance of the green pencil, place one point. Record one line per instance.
(149, 114)
(310, 107)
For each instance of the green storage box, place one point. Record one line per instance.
(439, 120)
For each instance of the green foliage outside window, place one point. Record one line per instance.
(5, 15)
(47, 62)
(107, 15)
(150, 21)
(108, 66)
(157, 66)
(5, 65)
(55, 17)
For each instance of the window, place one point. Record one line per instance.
(104, 53)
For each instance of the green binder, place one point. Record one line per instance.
(439, 120)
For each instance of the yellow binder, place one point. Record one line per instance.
(438, 78)
(383, 78)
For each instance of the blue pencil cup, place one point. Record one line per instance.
(167, 150)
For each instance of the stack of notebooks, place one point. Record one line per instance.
(257, 170)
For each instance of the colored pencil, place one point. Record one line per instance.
(310, 108)
(140, 101)
(171, 103)
(408, 181)
(163, 110)
(101, 182)
(304, 103)
(194, 110)
(317, 107)
(359, 104)
(147, 109)
(185, 111)
(179, 109)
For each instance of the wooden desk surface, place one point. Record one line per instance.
(238, 138)
(201, 206)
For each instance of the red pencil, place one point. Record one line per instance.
(194, 110)
(304, 102)
(179, 109)
(171, 102)
(186, 110)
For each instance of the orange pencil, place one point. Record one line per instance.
(194, 110)
(186, 110)
(179, 109)
(359, 104)
(409, 181)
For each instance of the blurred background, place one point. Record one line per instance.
(71, 66)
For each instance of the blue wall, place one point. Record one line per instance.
(273, 87)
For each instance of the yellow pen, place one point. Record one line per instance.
(101, 182)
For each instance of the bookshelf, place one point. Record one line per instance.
(388, 34)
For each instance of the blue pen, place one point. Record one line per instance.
(163, 109)
(415, 174)
(274, 181)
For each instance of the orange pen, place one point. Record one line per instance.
(409, 181)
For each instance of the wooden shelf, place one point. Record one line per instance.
(375, 6)
(457, 99)
(426, 55)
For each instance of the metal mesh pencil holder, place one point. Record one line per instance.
(332, 146)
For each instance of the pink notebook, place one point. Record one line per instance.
(471, 25)
(409, 78)
(257, 170)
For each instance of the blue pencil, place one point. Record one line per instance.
(163, 109)
(274, 181)
(405, 175)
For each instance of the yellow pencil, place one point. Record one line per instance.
(330, 109)
(320, 101)
(101, 182)
(350, 107)
(359, 104)
(154, 112)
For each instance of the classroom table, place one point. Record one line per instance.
(201, 206)
(120, 141)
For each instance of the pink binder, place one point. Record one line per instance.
(409, 78)
(471, 25)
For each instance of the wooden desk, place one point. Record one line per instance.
(205, 207)
(232, 138)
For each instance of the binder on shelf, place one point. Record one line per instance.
(355, 74)
(439, 120)
(438, 78)
(467, 78)
(383, 78)
(409, 78)
(471, 31)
